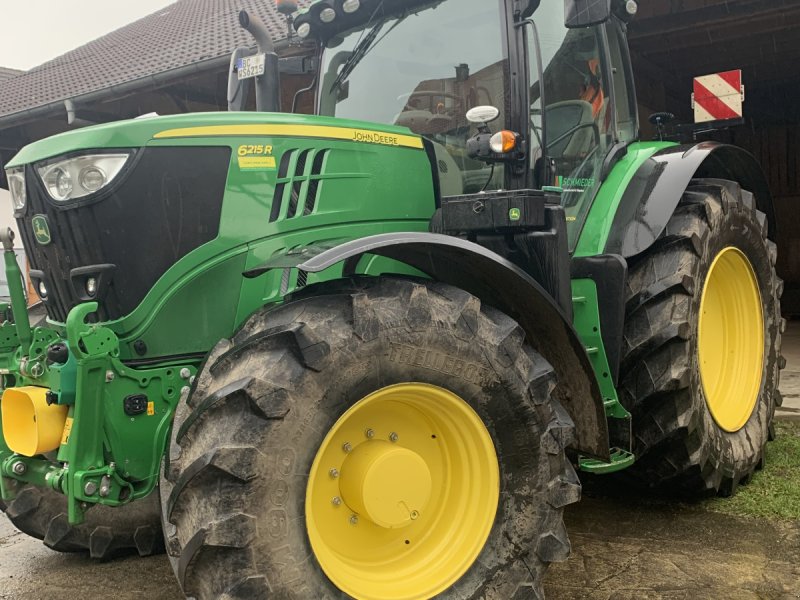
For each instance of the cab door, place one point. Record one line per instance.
(580, 107)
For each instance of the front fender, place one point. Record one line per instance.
(659, 183)
(501, 284)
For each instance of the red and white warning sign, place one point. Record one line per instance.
(717, 97)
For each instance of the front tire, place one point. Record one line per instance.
(703, 335)
(105, 533)
(257, 499)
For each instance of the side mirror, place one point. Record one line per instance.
(583, 13)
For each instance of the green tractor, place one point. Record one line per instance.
(361, 353)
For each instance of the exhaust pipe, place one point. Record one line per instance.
(268, 93)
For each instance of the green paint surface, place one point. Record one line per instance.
(364, 188)
(593, 236)
(587, 324)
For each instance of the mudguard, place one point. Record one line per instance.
(657, 187)
(496, 282)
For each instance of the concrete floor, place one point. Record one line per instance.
(623, 549)
(790, 376)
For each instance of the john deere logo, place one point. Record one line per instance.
(41, 230)
(514, 214)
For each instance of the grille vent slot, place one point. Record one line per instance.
(301, 187)
(302, 279)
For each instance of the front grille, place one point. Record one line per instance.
(168, 204)
(301, 188)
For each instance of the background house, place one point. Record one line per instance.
(175, 60)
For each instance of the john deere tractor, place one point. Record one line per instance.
(361, 353)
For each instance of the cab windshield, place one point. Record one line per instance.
(424, 70)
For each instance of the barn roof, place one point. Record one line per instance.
(185, 33)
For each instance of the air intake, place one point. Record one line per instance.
(297, 186)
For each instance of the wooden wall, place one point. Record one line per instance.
(673, 41)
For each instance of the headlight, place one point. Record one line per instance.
(303, 30)
(80, 176)
(351, 6)
(327, 15)
(16, 185)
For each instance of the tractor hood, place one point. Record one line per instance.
(133, 213)
(136, 133)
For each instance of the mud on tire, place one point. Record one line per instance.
(106, 532)
(241, 448)
(677, 442)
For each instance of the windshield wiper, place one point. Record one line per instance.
(361, 49)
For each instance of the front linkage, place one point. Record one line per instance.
(75, 418)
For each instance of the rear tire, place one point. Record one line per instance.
(679, 444)
(107, 531)
(242, 449)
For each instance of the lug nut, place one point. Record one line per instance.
(185, 373)
(393, 437)
(336, 501)
(334, 473)
(347, 447)
(354, 520)
(369, 433)
(90, 488)
(19, 468)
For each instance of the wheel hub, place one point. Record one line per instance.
(730, 339)
(402, 493)
(388, 484)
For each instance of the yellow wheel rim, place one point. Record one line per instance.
(402, 493)
(731, 339)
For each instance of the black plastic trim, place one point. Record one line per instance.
(609, 273)
(166, 206)
(156, 360)
(658, 185)
(40, 276)
(617, 152)
(102, 273)
(501, 284)
(430, 151)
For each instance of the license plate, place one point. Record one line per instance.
(251, 66)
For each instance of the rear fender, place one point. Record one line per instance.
(500, 284)
(657, 187)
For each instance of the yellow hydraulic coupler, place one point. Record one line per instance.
(30, 425)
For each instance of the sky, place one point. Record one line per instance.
(35, 31)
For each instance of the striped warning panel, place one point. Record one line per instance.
(718, 96)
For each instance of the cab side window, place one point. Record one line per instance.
(574, 102)
(627, 117)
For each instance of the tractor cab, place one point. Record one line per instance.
(562, 89)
